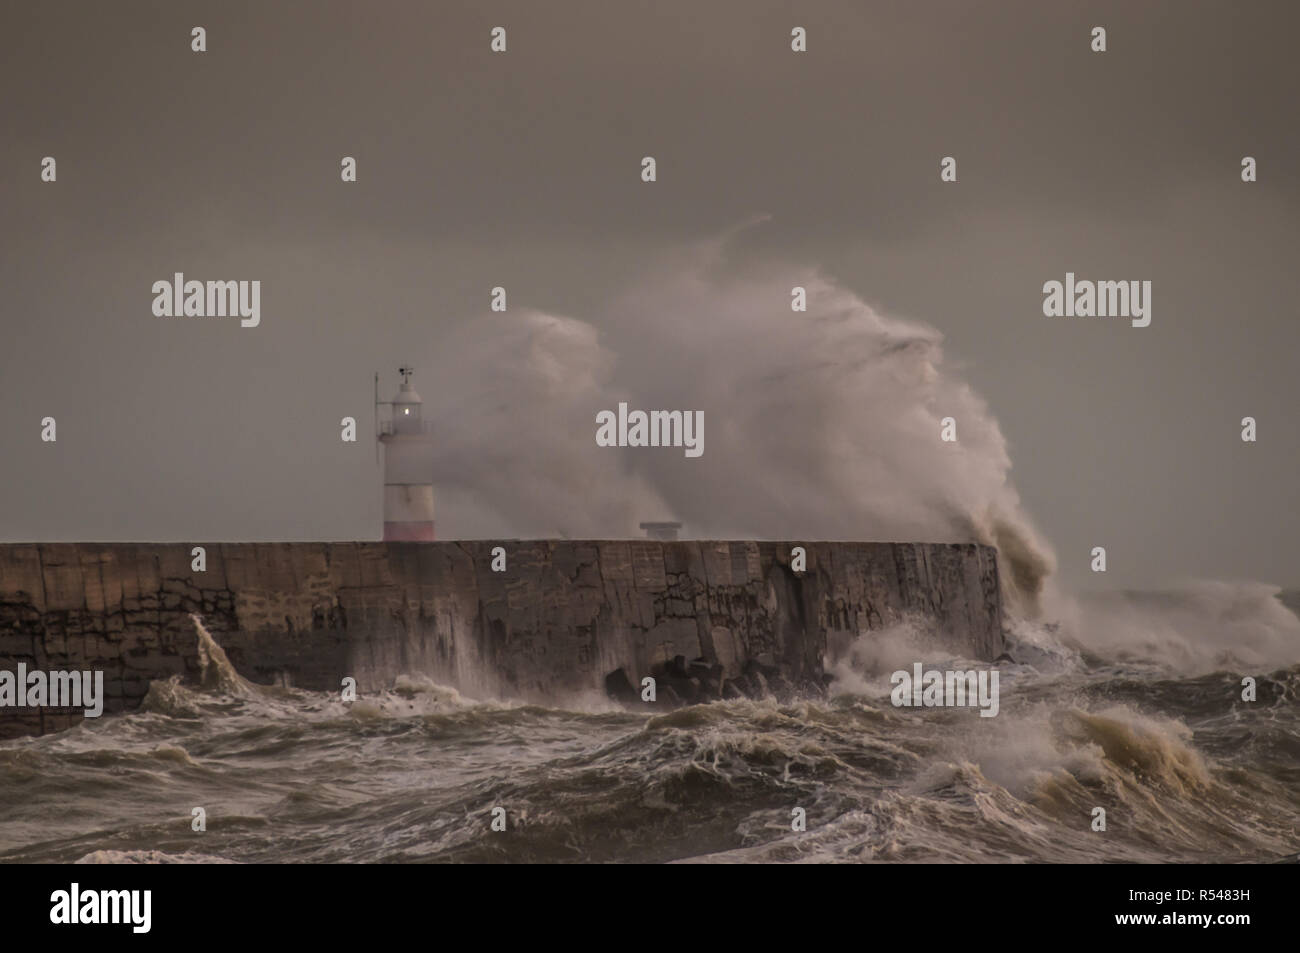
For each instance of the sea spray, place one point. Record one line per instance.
(1193, 628)
(824, 424)
(215, 671)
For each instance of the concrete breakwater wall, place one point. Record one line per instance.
(566, 618)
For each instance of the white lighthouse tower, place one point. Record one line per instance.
(408, 465)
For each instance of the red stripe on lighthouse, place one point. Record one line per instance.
(421, 532)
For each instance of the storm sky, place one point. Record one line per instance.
(522, 170)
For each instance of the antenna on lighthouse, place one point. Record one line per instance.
(406, 373)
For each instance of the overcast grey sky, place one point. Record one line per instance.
(522, 169)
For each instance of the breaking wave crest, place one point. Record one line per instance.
(216, 672)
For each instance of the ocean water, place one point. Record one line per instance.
(1185, 770)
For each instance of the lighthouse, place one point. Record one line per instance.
(408, 464)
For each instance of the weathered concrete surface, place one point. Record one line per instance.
(564, 616)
